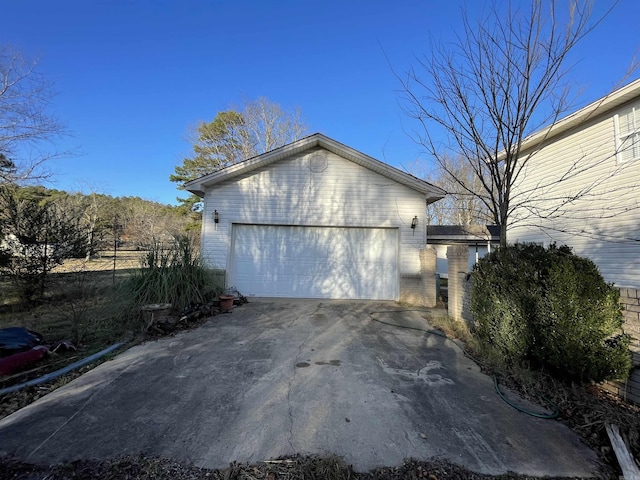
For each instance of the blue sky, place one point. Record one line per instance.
(132, 75)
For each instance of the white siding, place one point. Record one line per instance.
(289, 193)
(603, 223)
(442, 264)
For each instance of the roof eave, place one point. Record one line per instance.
(198, 185)
(431, 192)
(599, 107)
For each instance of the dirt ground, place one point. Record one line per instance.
(292, 468)
(103, 261)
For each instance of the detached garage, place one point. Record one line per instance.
(316, 219)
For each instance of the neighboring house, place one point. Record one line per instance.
(481, 240)
(593, 158)
(316, 219)
(12, 246)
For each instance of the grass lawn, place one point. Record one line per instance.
(74, 301)
(78, 306)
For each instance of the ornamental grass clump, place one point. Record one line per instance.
(171, 274)
(552, 310)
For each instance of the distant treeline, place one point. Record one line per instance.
(132, 222)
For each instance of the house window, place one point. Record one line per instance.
(627, 124)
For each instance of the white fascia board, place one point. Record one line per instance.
(599, 107)
(431, 192)
(199, 185)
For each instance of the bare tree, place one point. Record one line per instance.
(147, 222)
(26, 125)
(242, 132)
(458, 207)
(503, 79)
(234, 135)
(268, 126)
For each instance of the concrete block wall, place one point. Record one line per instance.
(428, 267)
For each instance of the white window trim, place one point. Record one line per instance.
(620, 139)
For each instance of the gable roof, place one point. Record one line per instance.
(199, 185)
(599, 107)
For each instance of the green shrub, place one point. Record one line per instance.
(172, 275)
(508, 331)
(551, 309)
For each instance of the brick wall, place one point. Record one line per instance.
(412, 289)
(467, 283)
(420, 289)
(630, 300)
(457, 259)
(630, 389)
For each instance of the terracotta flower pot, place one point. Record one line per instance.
(226, 302)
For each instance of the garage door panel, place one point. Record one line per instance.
(315, 262)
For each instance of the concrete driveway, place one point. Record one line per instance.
(278, 377)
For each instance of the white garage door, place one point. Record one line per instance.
(315, 262)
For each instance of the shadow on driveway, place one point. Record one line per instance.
(278, 377)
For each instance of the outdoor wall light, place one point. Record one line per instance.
(414, 224)
(216, 216)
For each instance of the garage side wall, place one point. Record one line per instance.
(306, 191)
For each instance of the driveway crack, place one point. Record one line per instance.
(82, 406)
(290, 386)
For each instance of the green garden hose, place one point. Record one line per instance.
(551, 416)
(546, 416)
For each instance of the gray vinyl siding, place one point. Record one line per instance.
(604, 223)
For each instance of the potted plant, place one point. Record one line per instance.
(226, 302)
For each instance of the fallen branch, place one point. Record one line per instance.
(627, 463)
